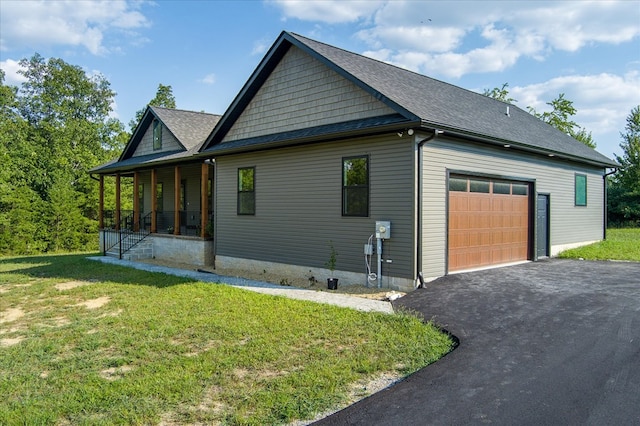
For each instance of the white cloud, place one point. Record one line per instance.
(11, 68)
(602, 101)
(73, 23)
(328, 11)
(457, 38)
(208, 79)
(260, 46)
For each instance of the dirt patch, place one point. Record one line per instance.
(115, 373)
(309, 282)
(95, 303)
(111, 314)
(11, 315)
(11, 341)
(71, 284)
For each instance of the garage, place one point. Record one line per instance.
(488, 222)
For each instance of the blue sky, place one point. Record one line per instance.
(206, 50)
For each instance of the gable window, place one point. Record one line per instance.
(355, 186)
(157, 135)
(246, 191)
(580, 190)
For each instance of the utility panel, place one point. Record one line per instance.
(383, 229)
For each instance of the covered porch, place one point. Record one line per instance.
(173, 202)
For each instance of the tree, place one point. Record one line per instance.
(52, 131)
(629, 173)
(624, 194)
(500, 93)
(560, 118)
(164, 98)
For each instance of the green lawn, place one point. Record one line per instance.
(83, 342)
(621, 244)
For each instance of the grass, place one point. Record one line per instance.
(621, 244)
(83, 342)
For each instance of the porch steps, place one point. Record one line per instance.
(142, 250)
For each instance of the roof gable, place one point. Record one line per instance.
(302, 93)
(187, 130)
(431, 103)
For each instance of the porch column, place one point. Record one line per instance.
(204, 198)
(176, 201)
(136, 202)
(117, 215)
(154, 201)
(101, 204)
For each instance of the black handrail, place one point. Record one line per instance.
(127, 237)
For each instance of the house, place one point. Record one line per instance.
(406, 176)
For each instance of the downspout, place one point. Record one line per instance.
(606, 201)
(420, 143)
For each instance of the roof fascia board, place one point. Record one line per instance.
(326, 137)
(347, 75)
(517, 145)
(136, 136)
(196, 158)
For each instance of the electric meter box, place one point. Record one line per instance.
(383, 229)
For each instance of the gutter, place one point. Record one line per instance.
(517, 145)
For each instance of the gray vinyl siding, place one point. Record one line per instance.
(298, 205)
(300, 93)
(568, 223)
(169, 142)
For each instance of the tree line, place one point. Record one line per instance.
(54, 128)
(57, 126)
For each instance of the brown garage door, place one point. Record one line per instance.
(488, 222)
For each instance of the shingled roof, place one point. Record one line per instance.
(190, 129)
(419, 99)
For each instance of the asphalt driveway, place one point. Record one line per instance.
(555, 342)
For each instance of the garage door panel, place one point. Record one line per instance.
(487, 228)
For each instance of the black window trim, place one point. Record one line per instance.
(239, 213)
(344, 187)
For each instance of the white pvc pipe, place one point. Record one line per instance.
(379, 251)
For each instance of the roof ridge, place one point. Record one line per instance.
(184, 110)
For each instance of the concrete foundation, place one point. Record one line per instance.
(320, 274)
(191, 250)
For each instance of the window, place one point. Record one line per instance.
(458, 184)
(157, 135)
(246, 191)
(476, 185)
(141, 197)
(355, 186)
(520, 189)
(581, 190)
(501, 188)
(159, 198)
